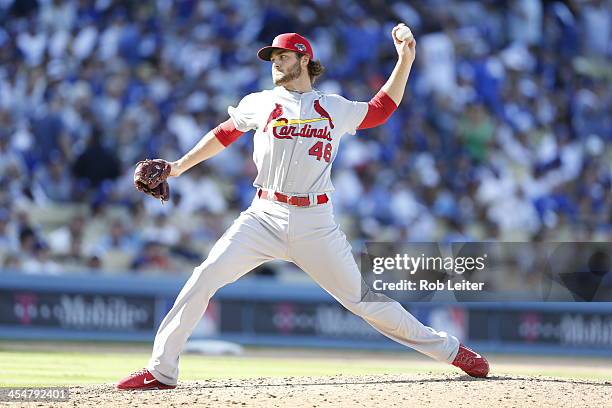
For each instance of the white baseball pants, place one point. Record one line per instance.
(309, 237)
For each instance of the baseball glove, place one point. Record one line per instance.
(150, 178)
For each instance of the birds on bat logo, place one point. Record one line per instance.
(321, 111)
(283, 128)
(276, 113)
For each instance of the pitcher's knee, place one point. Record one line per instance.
(203, 281)
(212, 275)
(359, 308)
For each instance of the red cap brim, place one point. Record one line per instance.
(266, 52)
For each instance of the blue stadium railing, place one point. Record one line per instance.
(265, 312)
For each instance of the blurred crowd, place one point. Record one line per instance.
(504, 132)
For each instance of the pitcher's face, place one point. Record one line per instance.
(286, 67)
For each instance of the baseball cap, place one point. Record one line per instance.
(287, 41)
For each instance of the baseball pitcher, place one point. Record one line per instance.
(297, 135)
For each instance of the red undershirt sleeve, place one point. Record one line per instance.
(379, 109)
(227, 133)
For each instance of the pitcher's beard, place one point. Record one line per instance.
(294, 73)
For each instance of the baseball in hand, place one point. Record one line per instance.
(403, 34)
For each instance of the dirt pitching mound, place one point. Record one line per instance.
(427, 389)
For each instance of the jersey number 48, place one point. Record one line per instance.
(319, 151)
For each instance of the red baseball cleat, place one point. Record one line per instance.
(471, 362)
(142, 380)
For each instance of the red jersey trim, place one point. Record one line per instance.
(380, 109)
(227, 133)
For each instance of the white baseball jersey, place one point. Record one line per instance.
(296, 142)
(297, 136)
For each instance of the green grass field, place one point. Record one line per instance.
(29, 368)
(70, 368)
(310, 378)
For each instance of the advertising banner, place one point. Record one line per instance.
(76, 311)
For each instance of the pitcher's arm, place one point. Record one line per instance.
(210, 145)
